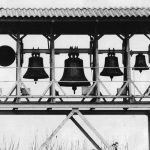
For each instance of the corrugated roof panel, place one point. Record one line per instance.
(76, 12)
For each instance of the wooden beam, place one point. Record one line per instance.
(63, 105)
(18, 68)
(147, 36)
(85, 133)
(48, 140)
(125, 63)
(80, 50)
(74, 96)
(52, 69)
(94, 130)
(66, 112)
(128, 66)
(96, 65)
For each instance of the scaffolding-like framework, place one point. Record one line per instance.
(95, 23)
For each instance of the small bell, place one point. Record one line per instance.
(35, 70)
(111, 67)
(140, 63)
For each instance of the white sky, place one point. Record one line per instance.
(131, 129)
(74, 3)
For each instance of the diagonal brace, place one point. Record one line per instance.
(11, 91)
(94, 130)
(45, 91)
(104, 87)
(85, 133)
(122, 89)
(146, 91)
(48, 140)
(92, 87)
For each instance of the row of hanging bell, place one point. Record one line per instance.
(73, 75)
(111, 67)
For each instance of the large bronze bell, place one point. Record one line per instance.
(140, 63)
(7, 55)
(35, 70)
(111, 67)
(73, 75)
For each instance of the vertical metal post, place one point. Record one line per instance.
(128, 66)
(96, 65)
(18, 68)
(52, 68)
(127, 69)
(148, 116)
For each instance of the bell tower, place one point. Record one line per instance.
(124, 23)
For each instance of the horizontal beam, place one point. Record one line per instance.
(66, 112)
(85, 50)
(74, 96)
(79, 105)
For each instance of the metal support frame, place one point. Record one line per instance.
(125, 85)
(19, 83)
(146, 92)
(67, 105)
(48, 140)
(128, 65)
(70, 116)
(135, 107)
(94, 39)
(51, 39)
(18, 67)
(52, 68)
(126, 62)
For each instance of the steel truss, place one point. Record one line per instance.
(70, 116)
(99, 103)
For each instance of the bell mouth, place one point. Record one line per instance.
(74, 84)
(140, 69)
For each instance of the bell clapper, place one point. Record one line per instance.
(111, 77)
(74, 89)
(35, 80)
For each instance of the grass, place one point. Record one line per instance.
(55, 144)
(12, 145)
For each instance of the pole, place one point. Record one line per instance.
(128, 66)
(18, 68)
(96, 66)
(127, 69)
(52, 68)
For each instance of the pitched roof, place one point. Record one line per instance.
(75, 12)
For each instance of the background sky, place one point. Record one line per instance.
(74, 3)
(124, 129)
